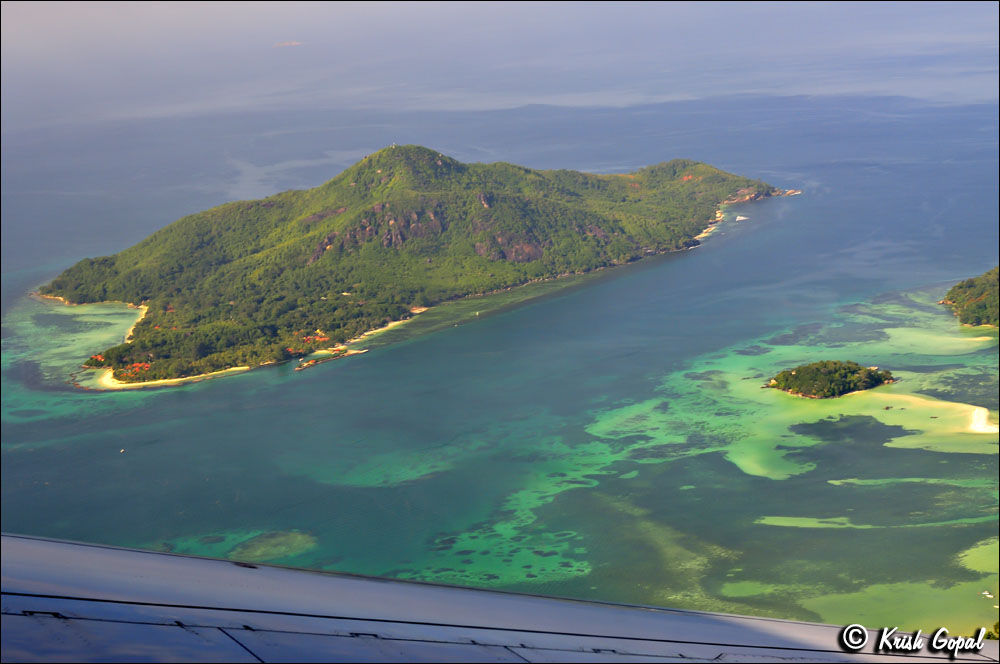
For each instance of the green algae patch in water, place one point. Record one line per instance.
(757, 589)
(810, 522)
(212, 545)
(245, 545)
(683, 560)
(982, 557)
(934, 342)
(508, 548)
(273, 546)
(654, 563)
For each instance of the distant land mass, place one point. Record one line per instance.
(257, 282)
(829, 378)
(975, 301)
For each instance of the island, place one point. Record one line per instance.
(829, 378)
(975, 300)
(252, 283)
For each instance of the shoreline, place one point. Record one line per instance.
(58, 298)
(818, 398)
(720, 214)
(344, 352)
(128, 334)
(708, 231)
(377, 330)
(144, 308)
(107, 381)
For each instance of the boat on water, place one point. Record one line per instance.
(741, 218)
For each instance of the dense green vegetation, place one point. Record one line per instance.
(257, 281)
(829, 378)
(975, 300)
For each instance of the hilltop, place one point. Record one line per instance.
(253, 282)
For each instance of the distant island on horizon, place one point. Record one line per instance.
(258, 282)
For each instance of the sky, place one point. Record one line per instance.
(65, 63)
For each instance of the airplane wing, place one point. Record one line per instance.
(66, 601)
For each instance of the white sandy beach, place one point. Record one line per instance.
(144, 309)
(107, 381)
(979, 417)
(377, 330)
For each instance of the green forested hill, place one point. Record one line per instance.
(975, 300)
(255, 281)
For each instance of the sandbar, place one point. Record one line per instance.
(979, 417)
(980, 422)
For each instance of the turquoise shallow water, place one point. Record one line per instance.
(610, 440)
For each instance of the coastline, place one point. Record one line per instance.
(143, 308)
(128, 334)
(58, 298)
(705, 233)
(720, 210)
(377, 330)
(818, 398)
(107, 381)
(345, 347)
(344, 352)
